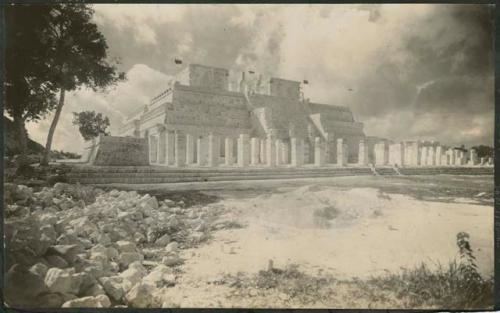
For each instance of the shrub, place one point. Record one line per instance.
(323, 216)
(459, 285)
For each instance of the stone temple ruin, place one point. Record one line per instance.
(213, 117)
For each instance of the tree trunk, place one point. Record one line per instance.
(50, 136)
(22, 136)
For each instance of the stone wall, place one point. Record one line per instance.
(283, 115)
(333, 112)
(206, 76)
(120, 151)
(192, 106)
(284, 88)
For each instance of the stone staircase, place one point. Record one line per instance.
(157, 174)
(449, 170)
(386, 171)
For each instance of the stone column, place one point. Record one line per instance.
(190, 142)
(380, 153)
(439, 154)
(330, 149)
(270, 151)
(254, 150)
(153, 149)
(407, 157)
(162, 147)
(431, 156)
(416, 154)
(285, 152)
(228, 151)
(243, 150)
(262, 154)
(423, 157)
(213, 150)
(297, 151)
(319, 152)
(483, 161)
(170, 148)
(180, 148)
(462, 157)
(279, 152)
(473, 159)
(202, 150)
(451, 156)
(396, 154)
(362, 153)
(341, 152)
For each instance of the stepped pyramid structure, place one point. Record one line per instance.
(213, 117)
(209, 110)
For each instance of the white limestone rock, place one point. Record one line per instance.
(169, 203)
(148, 202)
(126, 258)
(100, 301)
(126, 246)
(140, 296)
(67, 252)
(94, 290)
(23, 286)
(134, 273)
(39, 269)
(160, 275)
(163, 240)
(172, 247)
(63, 281)
(113, 287)
(172, 260)
(56, 261)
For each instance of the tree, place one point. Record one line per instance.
(78, 57)
(484, 151)
(29, 92)
(91, 124)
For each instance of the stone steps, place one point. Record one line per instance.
(205, 175)
(154, 175)
(386, 171)
(447, 170)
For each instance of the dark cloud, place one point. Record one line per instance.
(447, 73)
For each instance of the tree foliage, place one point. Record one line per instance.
(29, 88)
(91, 124)
(78, 56)
(79, 50)
(484, 151)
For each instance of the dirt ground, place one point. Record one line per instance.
(352, 227)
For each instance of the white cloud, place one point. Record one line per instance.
(142, 83)
(140, 19)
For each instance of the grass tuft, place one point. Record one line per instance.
(323, 217)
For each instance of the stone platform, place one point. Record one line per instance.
(158, 174)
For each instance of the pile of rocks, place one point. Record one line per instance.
(76, 246)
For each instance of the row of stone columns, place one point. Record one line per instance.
(415, 154)
(176, 148)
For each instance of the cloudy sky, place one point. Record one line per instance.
(406, 71)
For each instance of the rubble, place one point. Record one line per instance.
(100, 301)
(63, 280)
(78, 246)
(140, 296)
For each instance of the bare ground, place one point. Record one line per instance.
(338, 231)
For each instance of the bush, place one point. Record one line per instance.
(323, 216)
(459, 285)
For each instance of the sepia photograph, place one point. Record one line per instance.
(260, 156)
